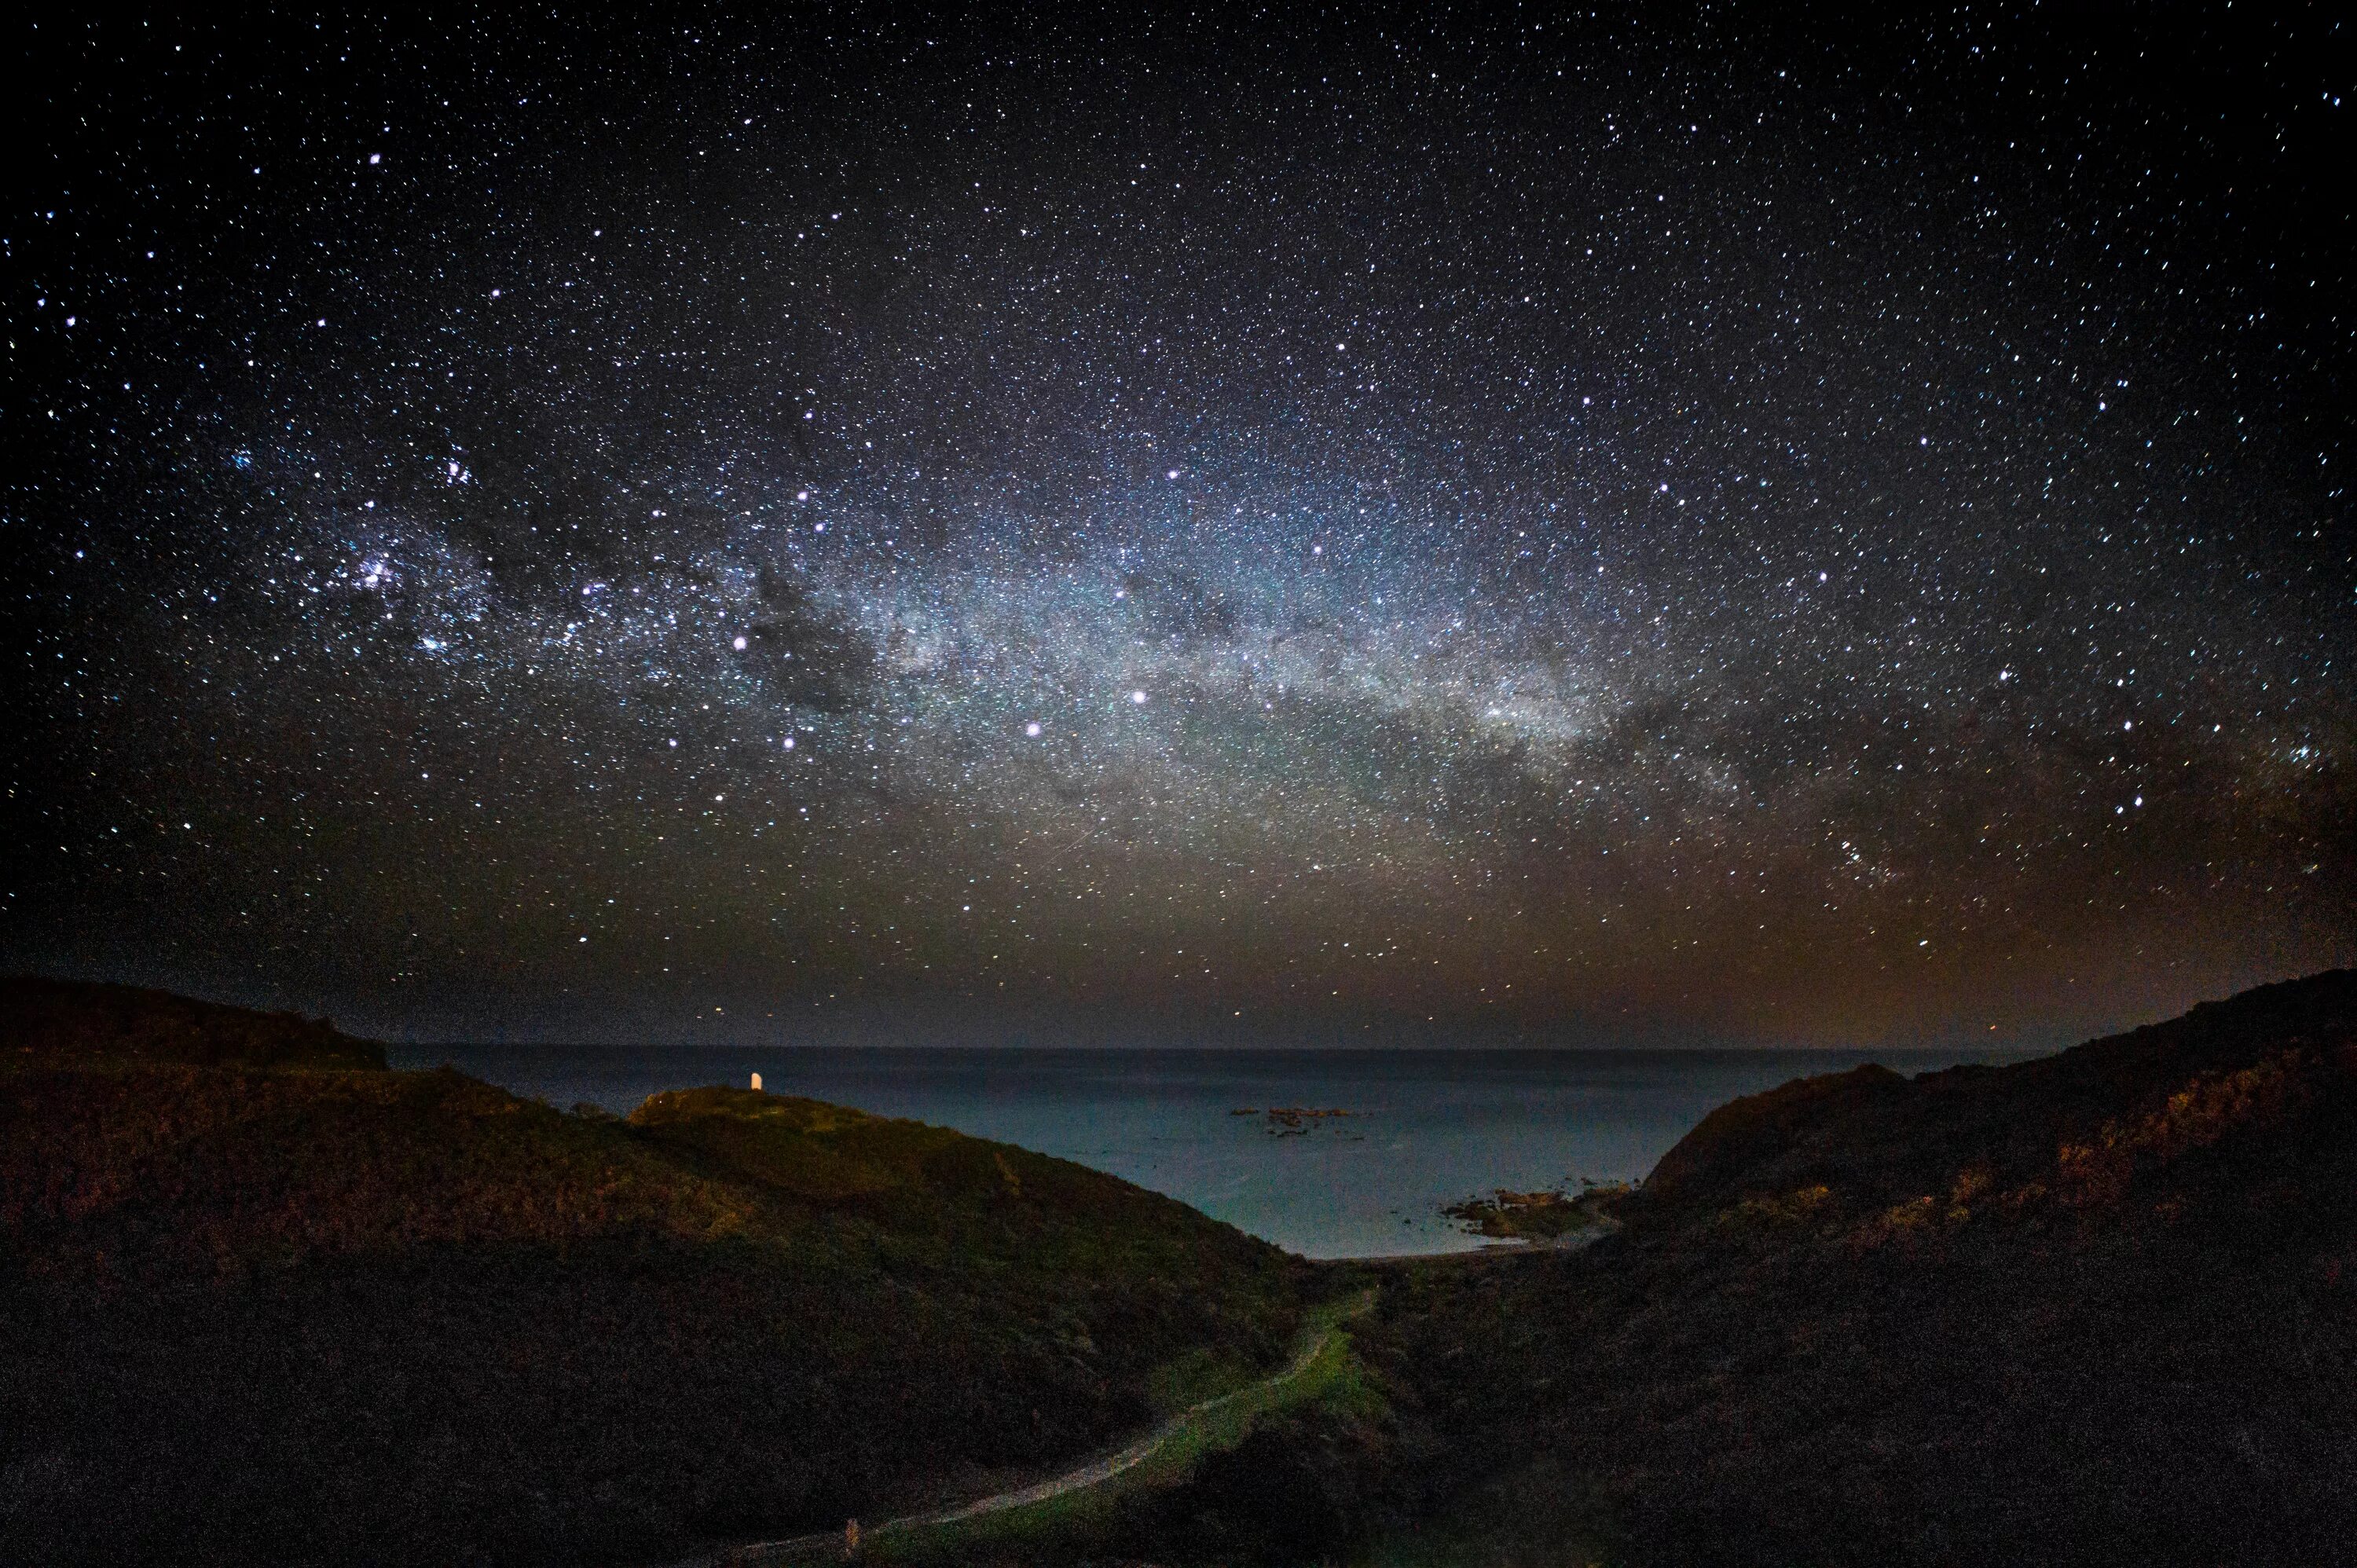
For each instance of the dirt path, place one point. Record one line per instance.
(1096, 1472)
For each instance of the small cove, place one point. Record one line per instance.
(1424, 1128)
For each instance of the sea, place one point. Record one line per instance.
(1423, 1128)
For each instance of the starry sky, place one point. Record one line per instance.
(1658, 524)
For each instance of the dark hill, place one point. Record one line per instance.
(2097, 1308)
(283, 1313)
(1877, 1136)
(55, 1022)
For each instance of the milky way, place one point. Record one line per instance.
(1695, 529)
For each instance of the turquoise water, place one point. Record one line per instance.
(1425, 1127)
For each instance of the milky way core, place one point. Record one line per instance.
(1664, 526)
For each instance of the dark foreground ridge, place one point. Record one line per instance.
(62, 1021)
(263, 1301)
(2097, 1308)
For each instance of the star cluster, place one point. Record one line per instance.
(1593, 527)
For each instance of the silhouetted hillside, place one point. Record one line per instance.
(261, 1315)
(2100, 1307)
(1877, 1136)
(59, 1021)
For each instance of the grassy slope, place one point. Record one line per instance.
(314, 1310)
(2096, 1308)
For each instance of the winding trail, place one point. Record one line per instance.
(1315, 1339)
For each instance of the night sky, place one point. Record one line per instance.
(1651, 525)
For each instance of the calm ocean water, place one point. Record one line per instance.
(1426, 1126)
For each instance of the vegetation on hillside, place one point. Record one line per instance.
(2096, 1308)
(63, 1021)
(306, 1311)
